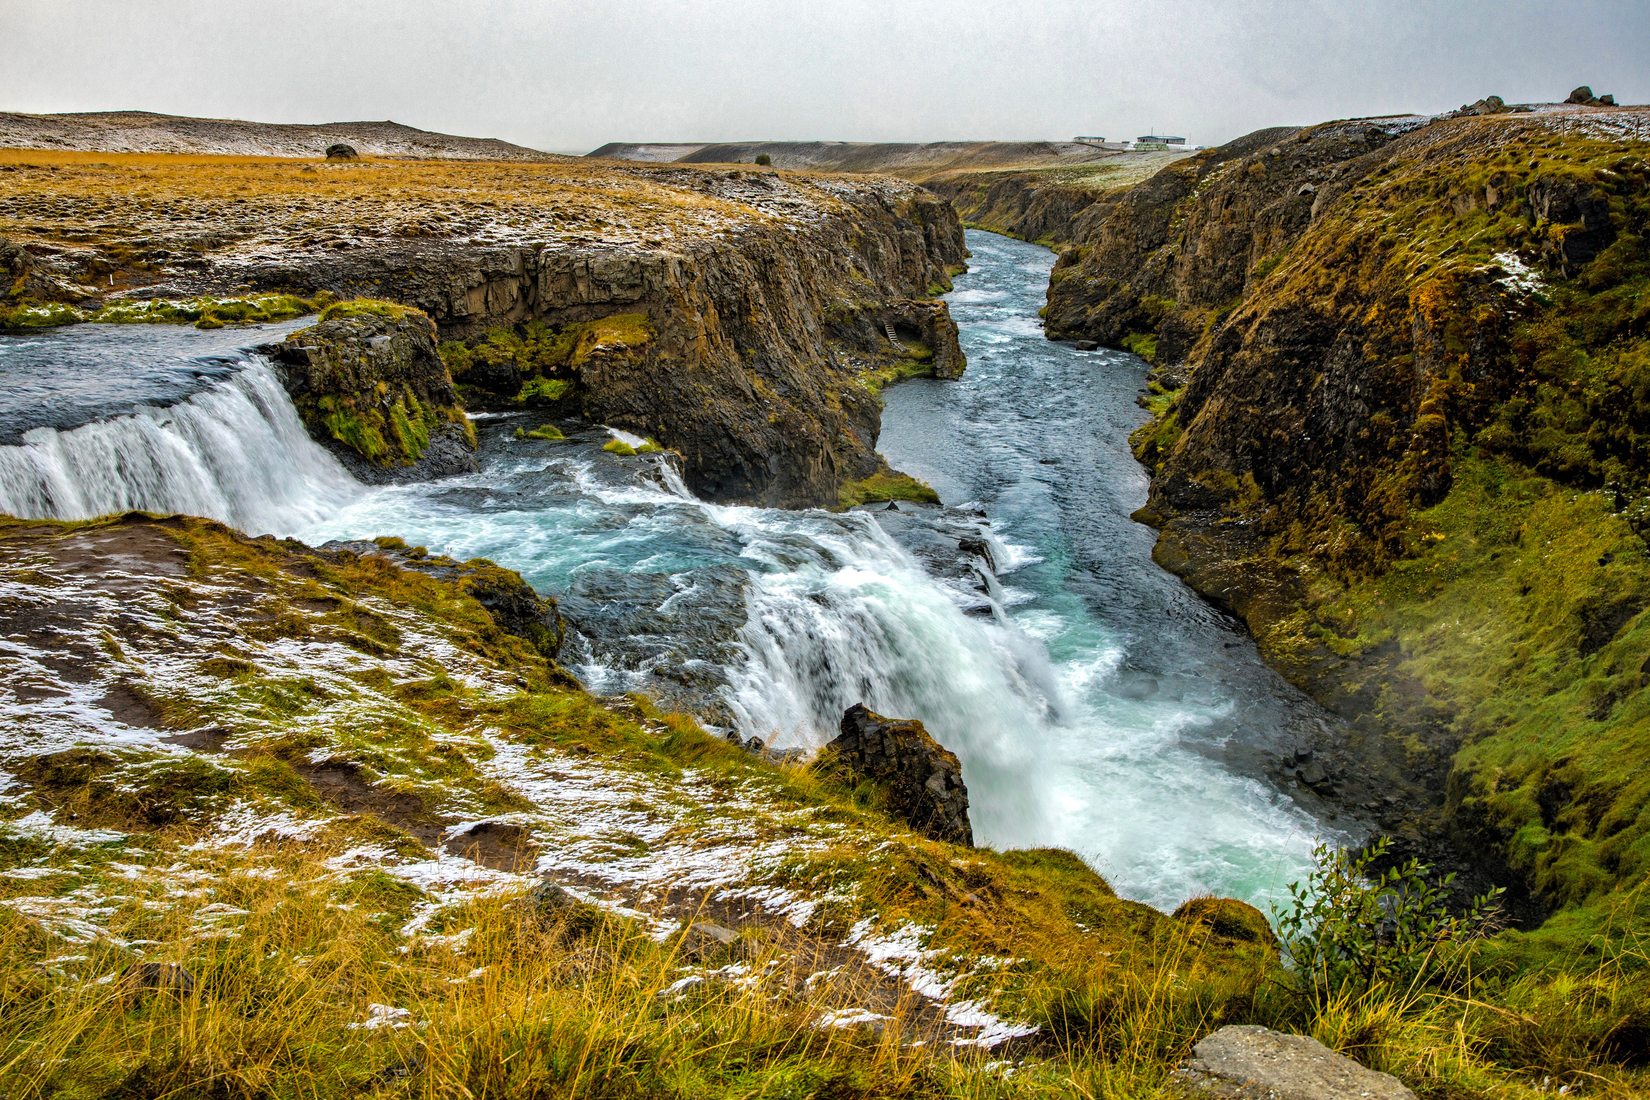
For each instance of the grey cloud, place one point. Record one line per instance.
(571, 74)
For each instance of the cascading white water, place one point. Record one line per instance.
(842, 615)
(235, 452)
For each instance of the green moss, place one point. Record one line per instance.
(27, 314)
(618, 447)
(545, 357)
(916, 360)
(1143, 344)
(885, 485)
(544, 431)
(369, 307)
(203, 312)
(396, 434)
(546, 390)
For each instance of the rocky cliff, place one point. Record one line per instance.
(741, 317)
(1045, 203)
(1399, 428)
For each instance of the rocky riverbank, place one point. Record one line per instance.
(1399, 430)
(743, 318)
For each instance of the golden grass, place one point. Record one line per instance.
(213, 202)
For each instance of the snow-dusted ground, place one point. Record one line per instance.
(119, 615)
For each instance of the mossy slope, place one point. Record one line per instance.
(1412, 453)
(222, 746)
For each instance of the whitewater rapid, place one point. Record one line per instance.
(778, 621)
(236, 452)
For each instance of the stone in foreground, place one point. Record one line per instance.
(1245, 1062)
(920, 778)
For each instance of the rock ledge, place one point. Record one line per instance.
(920, 779)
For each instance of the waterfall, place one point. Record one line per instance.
(235, 452)
(845, 615)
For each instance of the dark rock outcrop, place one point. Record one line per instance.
(920, 780)
(14, 269)
(755, 343)
(930, 322)
(1246, 1062)
(25, 278)
(1584, 97)
(340, 151)
(371, 387)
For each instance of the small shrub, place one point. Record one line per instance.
(1351, 927)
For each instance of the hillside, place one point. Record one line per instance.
(1400, 429)
(1034, 190)
(908, 159)
(348, 782)
(145, 132)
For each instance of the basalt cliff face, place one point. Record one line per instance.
(1399, 427)
(740, 317)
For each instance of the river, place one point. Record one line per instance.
(1095, 702)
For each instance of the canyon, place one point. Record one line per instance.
(652, 514)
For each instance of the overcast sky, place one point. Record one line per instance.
(569, 75)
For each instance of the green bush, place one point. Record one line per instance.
(1351, 928)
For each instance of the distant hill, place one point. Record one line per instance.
(911, 159)
(146, 132)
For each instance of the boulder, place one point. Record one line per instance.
(1246, 1062)
(1584, 97)
(371, 387)
(920, 780)
(1489, 105)
(340, 151)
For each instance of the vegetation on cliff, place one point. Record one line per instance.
(1399, 426)
(369, 383)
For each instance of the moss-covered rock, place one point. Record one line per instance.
(885, 485)
(370, 385)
